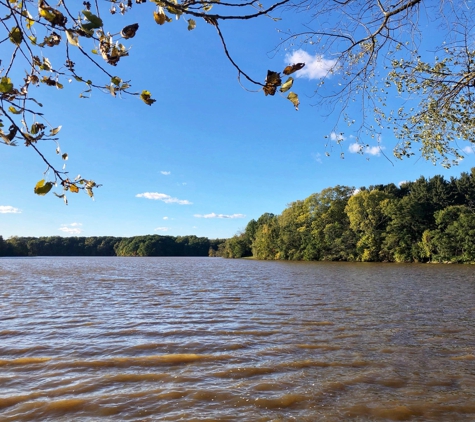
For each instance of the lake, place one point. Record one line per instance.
(209, 339)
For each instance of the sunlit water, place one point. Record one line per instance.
(208, 339)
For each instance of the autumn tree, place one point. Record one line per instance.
(382, 72)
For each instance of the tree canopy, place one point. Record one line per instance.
(428, 220)
(382, 71)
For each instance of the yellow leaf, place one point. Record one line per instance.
(160, 16)
(287, 84)
(14, 110)
(73, 189)
(146, 97)
(294, 99)
(43, 188)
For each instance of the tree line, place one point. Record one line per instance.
(428, 220)
(151, 245)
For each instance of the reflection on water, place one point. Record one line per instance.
(202, 339)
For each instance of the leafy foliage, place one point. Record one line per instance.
(426, 220)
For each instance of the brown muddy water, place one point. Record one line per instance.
(208, 339)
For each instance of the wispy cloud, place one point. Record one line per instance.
(316, 66)
(162, 229)
(358, 148)
(166, 173)
(214, 215)
(72, 228)
(163, 197)
(8, 209)
(165, 218)
(468, 150)
(318, 158)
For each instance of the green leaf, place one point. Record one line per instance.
(6, 85)
(191, 24)
(43, 188)
(95, 21)
(116, 80)
(13, 110)
(16, 36)
(146, 97)
(294, 99)
(287, 84)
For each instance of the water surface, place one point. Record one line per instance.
(208, 339)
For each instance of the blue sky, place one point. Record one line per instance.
(206, 158)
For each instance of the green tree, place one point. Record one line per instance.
(366, 211)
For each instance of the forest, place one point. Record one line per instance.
(151, 245)
(428, 220)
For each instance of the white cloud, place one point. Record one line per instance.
(337, 137)
(355, 148)
(214, 215)
(166, 173)
(318, 158)
(71, 229)
(316, 66)
(356, 191)
(468, 150)
(358, 148)
(7, 209)
(402, 182)
(163, 197)
(162, 229)
(165, 218)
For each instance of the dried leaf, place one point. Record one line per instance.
(272, 82)
(146, 97)
(129, 31)
(293, 68)
(73, 189)
(55, 131)
(160, 17)
(191, 24)
(64, 156)
(72, 37)
(287, 84)
(294, 99)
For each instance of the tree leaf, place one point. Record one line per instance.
(72, 37)
(6, 85)
(16, 36)
(287, 84)
(272, 82)
(146, 97)
(95, 21)
(73, 188)
(129, 31)
(43, 188)
(116, 80)
(64, 156)
(294, 99)
(191, 24)
(13, 110)
(293, 68)
(55, 131)
(160, 17)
